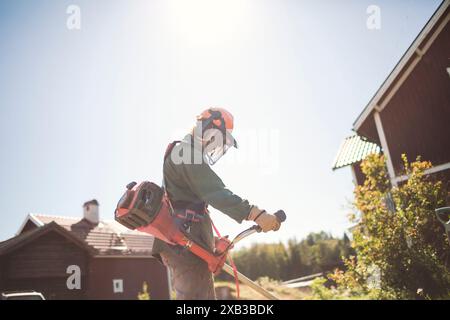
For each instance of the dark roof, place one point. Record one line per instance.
(107, 238)
(28, 236)
(354, 149)
(93, 201)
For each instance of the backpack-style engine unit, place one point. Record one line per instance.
(146, 207)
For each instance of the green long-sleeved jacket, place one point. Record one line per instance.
(196, 182)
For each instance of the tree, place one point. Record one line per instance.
(318, 252)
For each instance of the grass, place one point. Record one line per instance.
(247, 293)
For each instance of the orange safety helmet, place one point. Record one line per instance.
(221, 119)
(218, 116)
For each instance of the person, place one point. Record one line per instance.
(191, 186)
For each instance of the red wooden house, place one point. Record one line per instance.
(410, 112)
(73, 258)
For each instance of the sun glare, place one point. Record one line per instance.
(207, 22)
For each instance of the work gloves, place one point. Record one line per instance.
(266, 221)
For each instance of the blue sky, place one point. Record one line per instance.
(84, 112)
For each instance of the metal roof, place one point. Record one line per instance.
(354, 149)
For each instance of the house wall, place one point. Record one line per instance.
(416, 121)
(41, 266)
(29, 226)
(133, 272)
(445, 177)
(358, 175)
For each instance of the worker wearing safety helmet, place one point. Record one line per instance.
(192, 185)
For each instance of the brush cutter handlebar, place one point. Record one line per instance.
(228, 245)
(281, 216)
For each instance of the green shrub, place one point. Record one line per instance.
(397, 236)
(144, 295)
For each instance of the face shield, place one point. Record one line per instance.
(217, 144)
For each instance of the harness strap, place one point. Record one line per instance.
(236, 280)
(188, 215)
(215, 229)
(164, 183)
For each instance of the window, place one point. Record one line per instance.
(118, 285)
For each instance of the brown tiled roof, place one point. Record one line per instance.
(108, 238)
(31, 235)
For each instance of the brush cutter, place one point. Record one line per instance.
(147, 208)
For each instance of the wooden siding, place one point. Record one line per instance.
(29, 226)
(49, 256)
(38, 260)
(41, 265)
(133, 272)
(358, 174)
(369, 130)
(417, 119)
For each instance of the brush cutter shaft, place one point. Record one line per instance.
(281, 216)
(249, 283)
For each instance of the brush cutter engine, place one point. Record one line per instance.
(145, 207)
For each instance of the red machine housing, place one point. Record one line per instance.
(145, 207)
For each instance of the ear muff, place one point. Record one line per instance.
(216, 120)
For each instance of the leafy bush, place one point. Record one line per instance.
(144, 295)
(396, 237)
